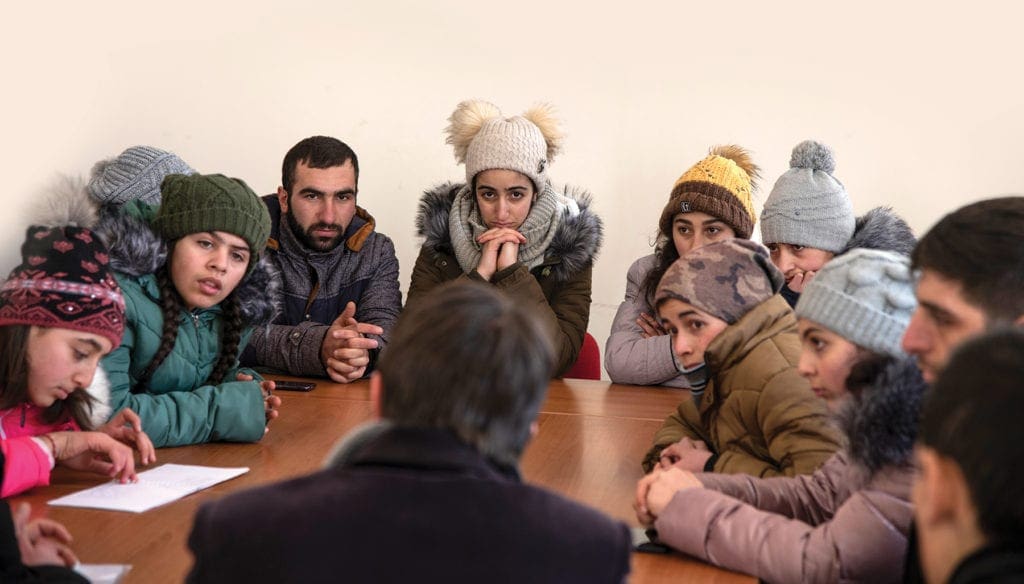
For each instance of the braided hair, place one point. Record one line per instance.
(230, 338)
(171, 307)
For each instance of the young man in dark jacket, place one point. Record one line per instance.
(340, 294)
(431, 492)
(970, 278)
(967, 503)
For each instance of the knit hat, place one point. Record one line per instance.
(865, 296)
(134, 175)
(808, 206)
(484, 140)
(719, 185)
(213, 202)
(64, 280)
(725, 279)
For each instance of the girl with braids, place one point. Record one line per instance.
(710, 202)
(60, 312)
(194, 286)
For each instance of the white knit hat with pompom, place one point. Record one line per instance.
(483, 139)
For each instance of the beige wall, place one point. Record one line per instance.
(923, 106)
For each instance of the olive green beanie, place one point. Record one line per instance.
(212, 202)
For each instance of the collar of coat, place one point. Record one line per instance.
(881, 228)
(880, 419)
(281, 237)
(382, 443)
(573, 249)
(766, 320)
(136, 250)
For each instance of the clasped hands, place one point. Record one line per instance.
(345, 352)
(495, 255)
(673, 473)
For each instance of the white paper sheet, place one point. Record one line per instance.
(156, 487)
(103, 573)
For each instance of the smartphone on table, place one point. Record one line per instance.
(645, 539)
(294, 385)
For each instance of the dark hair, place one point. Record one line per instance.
(665, 254)
(980, 246)
(171, 307)
(316, 152)
(14, 375)
(471, 360)
(973, 417)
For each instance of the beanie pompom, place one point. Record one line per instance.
(68, 204)
(101, 167)
(813, 155)
(542, 115)
(741, 157)
(464, 123)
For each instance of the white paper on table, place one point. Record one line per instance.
(156, 487)
(103, 573)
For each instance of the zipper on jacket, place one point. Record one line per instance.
(195, 320)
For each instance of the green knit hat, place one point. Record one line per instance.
(212, 202)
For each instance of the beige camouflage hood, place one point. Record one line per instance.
(726, 279)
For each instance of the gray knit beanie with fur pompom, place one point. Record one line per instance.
(808, 206)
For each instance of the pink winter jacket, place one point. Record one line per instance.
(830, 526)
(26, 463)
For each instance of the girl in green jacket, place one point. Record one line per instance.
(193, 286)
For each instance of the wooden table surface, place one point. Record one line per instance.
(591, 440)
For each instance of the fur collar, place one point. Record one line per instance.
(881, 228)
(881, 417)
(137, 250)
(99, 389)
(573, 249)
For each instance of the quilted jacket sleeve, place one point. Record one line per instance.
(629, 357)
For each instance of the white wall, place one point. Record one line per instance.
(923, 105)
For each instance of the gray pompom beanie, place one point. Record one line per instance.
(808, 206)
(865, 296)
(135, 174)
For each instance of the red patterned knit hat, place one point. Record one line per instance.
(64, 281)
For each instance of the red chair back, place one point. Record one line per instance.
(588, 364)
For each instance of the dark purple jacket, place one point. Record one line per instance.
(408, 505)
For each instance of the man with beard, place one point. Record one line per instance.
(340, 293)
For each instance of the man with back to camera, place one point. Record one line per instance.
(970, 453)
(431, 491)
(341, 296)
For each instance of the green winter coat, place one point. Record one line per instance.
(176, 406)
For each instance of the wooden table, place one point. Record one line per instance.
(591, 440)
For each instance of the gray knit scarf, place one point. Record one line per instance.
(465, 225)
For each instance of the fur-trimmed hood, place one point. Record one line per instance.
(137, 250)
(881, 416)
(573, 249)
(881, 228)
